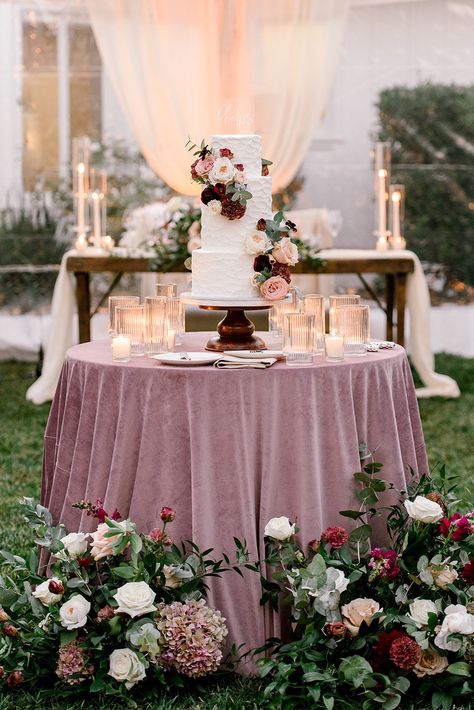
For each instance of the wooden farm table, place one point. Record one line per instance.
(395, 269)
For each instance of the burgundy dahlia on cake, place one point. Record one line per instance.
(245, 251)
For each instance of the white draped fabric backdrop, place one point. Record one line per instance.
(190, 68)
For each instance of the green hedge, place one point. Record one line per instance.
(431, 128)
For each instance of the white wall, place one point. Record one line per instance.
(385, 44)
(10, 98)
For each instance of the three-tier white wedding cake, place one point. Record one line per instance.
(222, 267)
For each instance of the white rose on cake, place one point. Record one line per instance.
(135, 599)
(256, 242)
(126, 666)
(222, 171)
(285, 252)
(424, 510)
(215, 206)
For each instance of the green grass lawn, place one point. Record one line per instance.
(449, 431)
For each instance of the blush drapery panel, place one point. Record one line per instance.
(190, 69)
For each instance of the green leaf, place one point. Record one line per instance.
(67, 637)
(361, 533)
(354, 669)
(354, 514)
(124, 572)
(328, 702)
(459, 668)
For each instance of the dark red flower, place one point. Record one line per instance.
(261, 262)
(85, 561)
(115, 515)
(209, 194)
(336, 629)
(232, 209)
(380, 652)
(467, 572)
(55, 587)
(281, 270)
(159, 536)
(167, 515)
(226, 153)
(10, 630)
(14, 679)
(457, 526)
(265, 170)
(239, 166)
(314, 545)
(336, 537)
(106, 613)
(261, 224)
(405, 652)
(383, 564)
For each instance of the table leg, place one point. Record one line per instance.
(401, 303)
(390, 299)
(83, 300)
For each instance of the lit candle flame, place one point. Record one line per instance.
(81, 168)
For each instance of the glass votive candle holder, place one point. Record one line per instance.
(155, 320)
(121, 348)
(175, 317)
(336, 302)
(168, 290)
(278, 312)
(116, 301)
(334, 347)
(131, 322)
(313, 304)
(354, 327)
(298, 338)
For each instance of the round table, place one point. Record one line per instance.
(227, 449)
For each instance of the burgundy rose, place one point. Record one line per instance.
(336, 629)
(262, 224)
(380, 652)
(281, 270)
(467, 572)
(106, 613)
(336, 536)
(167, 515)
(383, 564)
(10, 630)
(261, 262)
(314, 545)
(14, 679)
(55, 587)
(232, 209)
(226, 153)
(239, 166)
(457, 526)
(405, 652)
(85, 561)
(209, 194)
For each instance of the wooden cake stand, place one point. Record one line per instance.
(235, 329)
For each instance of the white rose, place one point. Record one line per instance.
(419, 610)
(286, 252)
(427, 511)
(135, 599)
(443, 577)
(222, 171)
(75, 545)
(256, 242)
(74, 612)
(358, 611)
(456, 621)
(215, 206)
(126, 666)
(43, 594)
(279, 528)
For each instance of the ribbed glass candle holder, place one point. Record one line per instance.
(313, 304)
(334, 303)
(168, 290)
(156, 334)
(354, 327)
(278, 311)
(175, 319)
(114, 302)
(298, 338)
(131, 322)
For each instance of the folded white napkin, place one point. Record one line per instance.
(230, 362)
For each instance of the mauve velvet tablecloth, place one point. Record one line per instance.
(228, 449)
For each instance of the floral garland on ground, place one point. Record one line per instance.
(225, 191)
(375, 626)
(119, 608)
(275, 252)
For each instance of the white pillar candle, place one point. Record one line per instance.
(121, 348)
(96, 215)
(81, 219)
(334, 347)
(108, 243)
(382, 244)
(382, 204)
(396, 214)
(81, 243)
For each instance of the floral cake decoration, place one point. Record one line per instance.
(225, 191)
(275, 251)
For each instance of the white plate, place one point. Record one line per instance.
(255, 354)
(197, 358)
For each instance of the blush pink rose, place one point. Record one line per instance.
(274, 289)
(286, 252)
(204, 165)
(101, 545)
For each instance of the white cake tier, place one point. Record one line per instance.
(221, 234)
(247, 149)
(223, 275)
